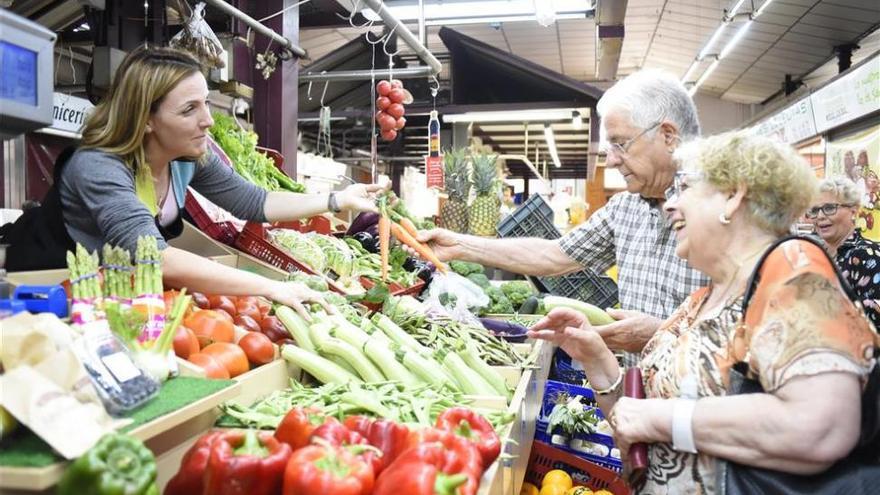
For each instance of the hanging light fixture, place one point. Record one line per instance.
(576, 121)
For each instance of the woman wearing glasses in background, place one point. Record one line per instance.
(833, 215)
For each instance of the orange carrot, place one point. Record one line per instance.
(422, 250)
(384, 243)
(410, 227)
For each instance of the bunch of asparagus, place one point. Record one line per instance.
(117, 274)
(148, 270)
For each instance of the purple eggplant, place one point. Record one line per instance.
(363, 222)
(505, 329)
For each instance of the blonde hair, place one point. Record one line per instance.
(143, 80)
(780, 184)
(844, 189)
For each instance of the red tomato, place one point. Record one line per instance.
(246, 322)
(272, 327)
(265, 307)
(389, 135)
(201, 300)
(400, 123)
(396, 95)
(258, 348)
(248, 306)
(212, 367)
(222, 302)
(383, 88)
(224, 314)
(382, 102)
(209, 327)
(387, 122)
(395, 110)
(231, 356)
(185, 342)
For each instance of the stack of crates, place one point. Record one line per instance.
(534, 218)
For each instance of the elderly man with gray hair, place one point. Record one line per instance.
(644, 118)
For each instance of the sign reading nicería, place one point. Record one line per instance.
(69, 112)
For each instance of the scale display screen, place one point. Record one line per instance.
(18, 74)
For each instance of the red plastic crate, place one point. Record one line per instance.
(544, 458)
(252, 240)
(225, 232)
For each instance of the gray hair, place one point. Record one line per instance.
(844, 189)
(651, 96)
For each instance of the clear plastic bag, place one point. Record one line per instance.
(453, 295)
(198, 38)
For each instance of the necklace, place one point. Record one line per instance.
(735, 283)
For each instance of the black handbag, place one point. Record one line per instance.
(857, 473)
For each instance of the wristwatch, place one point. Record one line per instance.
(332, 205)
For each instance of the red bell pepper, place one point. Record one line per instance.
(337, 435)
(462, 455)
(429, 468)
(327, 470)
(246, 463)
(389, 437)
(471, 425)
(189, 478)
(297, 426)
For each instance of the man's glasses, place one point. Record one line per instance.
(621, 149)
(680, 182)
(828, 209)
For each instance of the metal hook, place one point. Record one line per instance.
(324, 93)
(387, 39)
(380, 40)
(435, 89)
(309, 91)
(350, 17)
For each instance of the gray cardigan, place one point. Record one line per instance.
(101, 206)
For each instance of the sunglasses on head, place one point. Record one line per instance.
(828, 209)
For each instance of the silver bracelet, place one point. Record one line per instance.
(682, 425)
(614, 386)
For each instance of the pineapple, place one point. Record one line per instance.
(453, 214)
(485, 210)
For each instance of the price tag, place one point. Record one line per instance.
(121, 367)
(434, 171)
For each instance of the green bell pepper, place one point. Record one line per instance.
(116, 465)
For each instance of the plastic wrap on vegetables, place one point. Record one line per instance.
(301, 247)
(340, 259)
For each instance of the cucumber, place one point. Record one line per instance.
(595, 315)
(529, 306)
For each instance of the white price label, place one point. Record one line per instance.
(121, 366)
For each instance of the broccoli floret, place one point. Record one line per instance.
(465, 268)
(479, 279)
(448, 300)
(517, 291)
(499, 304)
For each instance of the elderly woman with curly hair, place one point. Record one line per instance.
(735, 195)
(833, 215)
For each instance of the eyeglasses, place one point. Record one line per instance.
(621, 149)
(828, 209)
(680, 183)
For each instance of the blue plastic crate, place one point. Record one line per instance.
(552, 392)
(565, 369)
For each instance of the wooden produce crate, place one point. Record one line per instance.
(160, 435)
(506, 475)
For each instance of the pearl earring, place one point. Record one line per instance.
(723, 219)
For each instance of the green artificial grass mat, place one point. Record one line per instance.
(25, 449)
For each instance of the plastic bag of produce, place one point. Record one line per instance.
(340, 259)
(455, 296)
(300, 247)
(198, 38)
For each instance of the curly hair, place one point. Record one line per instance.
(780, 184)
(844, 189)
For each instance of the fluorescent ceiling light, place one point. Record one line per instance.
(733, 41)
(705, 76)
(690, 71)
(551, 145)
(458, 12)
(761, 8)
(494, 19)
(576, 121)
(711, 43)
(510, 116)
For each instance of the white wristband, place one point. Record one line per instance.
(682, 425)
